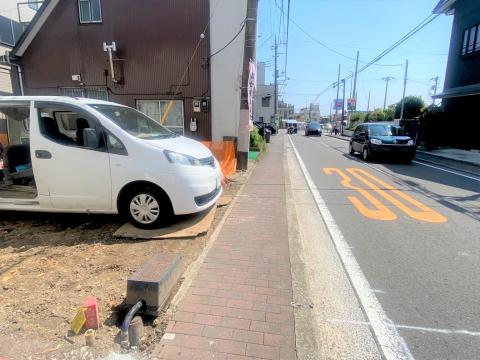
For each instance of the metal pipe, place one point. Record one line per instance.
(126, 322)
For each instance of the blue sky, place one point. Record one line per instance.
(369, 26)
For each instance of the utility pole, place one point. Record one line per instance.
(338, 92)
(249, 54)
(404, 89)
(387, 80)
(343, 108)
(355, 81)
(351, 83)
(434, 88)
(368, 104)
(275, 76)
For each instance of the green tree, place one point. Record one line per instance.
(357, 118)
(413, 107)
(376, 115)
(390, 113)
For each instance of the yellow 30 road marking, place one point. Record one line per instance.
(381, 212)
(422, 212)
(425, 213)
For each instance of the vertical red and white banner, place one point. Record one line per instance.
(252, 85)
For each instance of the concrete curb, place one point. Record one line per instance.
(305, 331)
(338, 137)
(447, 158)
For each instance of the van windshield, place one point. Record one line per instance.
(134, 122)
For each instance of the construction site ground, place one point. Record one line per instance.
(49, 263)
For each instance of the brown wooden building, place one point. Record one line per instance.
(158, 56)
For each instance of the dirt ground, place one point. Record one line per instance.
(49, 263)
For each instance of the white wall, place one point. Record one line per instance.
(260, 73)
(226, 67)
(8, 8)
(258, 109)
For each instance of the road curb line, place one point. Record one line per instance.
(305, 331)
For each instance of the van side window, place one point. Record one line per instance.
(67, 127)
(114, 145)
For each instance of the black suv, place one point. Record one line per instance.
(372, 139)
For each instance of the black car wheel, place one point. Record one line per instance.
(350, 149)
(366, 154)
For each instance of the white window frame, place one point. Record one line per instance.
(159, 107)
(91, 21)
(470, 45)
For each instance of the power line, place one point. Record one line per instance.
(231, 40)
(326, 46)
(407, 36)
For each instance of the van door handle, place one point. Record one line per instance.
(43, 154)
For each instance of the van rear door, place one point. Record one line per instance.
(74, 175)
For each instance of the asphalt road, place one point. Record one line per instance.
(415, 232)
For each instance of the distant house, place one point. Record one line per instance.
(178, 61)
(263, 103)
(461, 94)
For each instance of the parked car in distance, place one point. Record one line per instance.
(91, 156)
(387, 139)
(260, 125)
(313, 128)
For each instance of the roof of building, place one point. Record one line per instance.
(34, 27)
(459, 91)
(445, 7)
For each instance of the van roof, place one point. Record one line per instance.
(61, 99)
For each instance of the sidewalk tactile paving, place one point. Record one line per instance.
(238, 306)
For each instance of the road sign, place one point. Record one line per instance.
(351, 104)
(337, 104)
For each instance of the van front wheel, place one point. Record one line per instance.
(146, 208)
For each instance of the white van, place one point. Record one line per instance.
(85, 155)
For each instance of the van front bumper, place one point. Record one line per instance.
(194, 189)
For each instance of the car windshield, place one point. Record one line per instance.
(134, 122)
(385, 130)
(314, 125)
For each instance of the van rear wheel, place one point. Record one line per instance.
(146, 208)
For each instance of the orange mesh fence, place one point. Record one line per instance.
(224, 152)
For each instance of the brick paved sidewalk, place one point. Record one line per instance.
(238, 307)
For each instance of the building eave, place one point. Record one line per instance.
(460, 91)
(34, 27)
(445, 7)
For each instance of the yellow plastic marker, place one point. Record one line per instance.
(78, 321)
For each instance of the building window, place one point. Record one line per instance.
(169, 113)
(471, 40)
(266, 101)
(89, 11)
(85, 92)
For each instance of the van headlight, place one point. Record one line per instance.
(410, 143)
(182, 159)
(376, 142)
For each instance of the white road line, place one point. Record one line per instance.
(448, 171)
(409, 327)
(390, 342)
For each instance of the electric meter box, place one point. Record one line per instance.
(197, 105)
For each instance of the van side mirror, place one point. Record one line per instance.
(90, 138)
